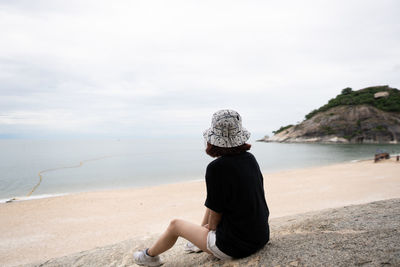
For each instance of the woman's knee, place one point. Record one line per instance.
(174, 225)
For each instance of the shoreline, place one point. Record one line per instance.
(47, 228)
(51, 195)
(115, 189)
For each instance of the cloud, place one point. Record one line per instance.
(137, 67)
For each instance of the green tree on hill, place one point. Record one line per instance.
(363, 97)
(282, 129)
(347, 91)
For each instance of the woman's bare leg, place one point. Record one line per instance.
(179, 228)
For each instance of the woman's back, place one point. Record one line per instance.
(235, 189)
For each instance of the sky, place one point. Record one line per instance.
(126, 69)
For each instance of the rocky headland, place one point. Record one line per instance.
(356, 235)
(369, 115)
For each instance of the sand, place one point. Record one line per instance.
(42, 229)
(357, 235)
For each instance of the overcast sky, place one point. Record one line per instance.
(119, 69)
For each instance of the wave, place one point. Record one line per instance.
(16, 199)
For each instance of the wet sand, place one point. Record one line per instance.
(42, 229)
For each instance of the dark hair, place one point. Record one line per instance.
(216, 151)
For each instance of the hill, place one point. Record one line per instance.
(369, 115)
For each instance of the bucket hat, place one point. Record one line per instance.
(226, 129)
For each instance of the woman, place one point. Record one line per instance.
(235, 223)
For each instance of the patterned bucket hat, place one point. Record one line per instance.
(226, 129)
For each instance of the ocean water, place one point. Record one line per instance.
(68, 166)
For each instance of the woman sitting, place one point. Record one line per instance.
(235, 223)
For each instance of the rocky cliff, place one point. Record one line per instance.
(369, 115)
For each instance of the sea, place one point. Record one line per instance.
(43, 168)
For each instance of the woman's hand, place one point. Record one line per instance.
(214, 220)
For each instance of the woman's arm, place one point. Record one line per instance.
(206, 217)
(213, 220)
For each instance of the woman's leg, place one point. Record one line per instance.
(179, 228)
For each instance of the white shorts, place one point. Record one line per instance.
(212, 247)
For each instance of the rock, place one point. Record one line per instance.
(381, 94)
(355, 235)
(369, 115)
(345, 124)
(264, 139)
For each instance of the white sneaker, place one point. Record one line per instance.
(141, 258)
(190, 248)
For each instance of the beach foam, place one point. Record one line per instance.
(25, 198)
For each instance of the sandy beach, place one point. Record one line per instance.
(38, 230)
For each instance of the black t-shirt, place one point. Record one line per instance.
(235, 189)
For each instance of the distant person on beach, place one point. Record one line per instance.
(235, 224)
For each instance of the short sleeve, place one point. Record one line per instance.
(214, 200)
